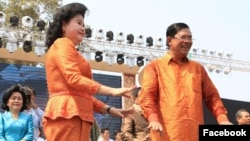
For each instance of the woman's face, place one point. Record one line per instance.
(15, 101)
(74, 29)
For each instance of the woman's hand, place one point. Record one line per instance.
(121, 112)
(122, 91)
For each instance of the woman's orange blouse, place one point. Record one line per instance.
(70, 83)
(173, 93)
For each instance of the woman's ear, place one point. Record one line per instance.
(63, 26)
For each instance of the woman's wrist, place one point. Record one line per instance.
(108, 109)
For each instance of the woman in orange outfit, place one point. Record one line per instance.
(173, 88)
(69, 112)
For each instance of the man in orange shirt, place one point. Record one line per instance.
(173, 88)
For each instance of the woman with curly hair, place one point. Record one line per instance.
(69, 112)
(15, 125)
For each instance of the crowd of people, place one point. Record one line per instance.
(167, 105)
(22, 118)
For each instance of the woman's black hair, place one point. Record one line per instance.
(174, 28)
(8, 93)
(64, 14)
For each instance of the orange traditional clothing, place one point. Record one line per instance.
(70, 86)
(69, 131)
(172, 94)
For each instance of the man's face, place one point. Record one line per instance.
(106, 134)
(181, 43)
(244, 119)
(118, 137)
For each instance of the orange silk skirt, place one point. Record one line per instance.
(61, 129)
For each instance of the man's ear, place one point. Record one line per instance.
(168, 41)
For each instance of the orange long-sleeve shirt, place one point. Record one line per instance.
(172, 94)
(70, 84)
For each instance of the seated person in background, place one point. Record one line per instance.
(134, 126)
(105, 135)
(117, 136)
(242, 117)
(35, 111)
(15, 125)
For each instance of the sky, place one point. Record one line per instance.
(220, 25)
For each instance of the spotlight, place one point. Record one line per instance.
(227, 70)
(140, 61)
(149, 41)
(41, 25)
(11, 44)
(2, 17)
(27, 46)
(220, 54)
(27, 21)
(120, 37)
(212, 52)
(229, 54)
(195, 50)
(204, 51)
(39, 48)
(110, 58)
(218, 70)
(2, 33)
(120, 59)
(98, 56)
(130, 38)
(88, 32)
(139, 40)
(159, 43)
(85, 50)
(87, 55)
(40, 65)
(131, 60)
(211, 67)
(99, 34)
(14, 20)
(110, 36)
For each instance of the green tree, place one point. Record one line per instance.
(3, 5)
(31, 8)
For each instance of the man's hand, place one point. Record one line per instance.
(33, 104)
(155, 125)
